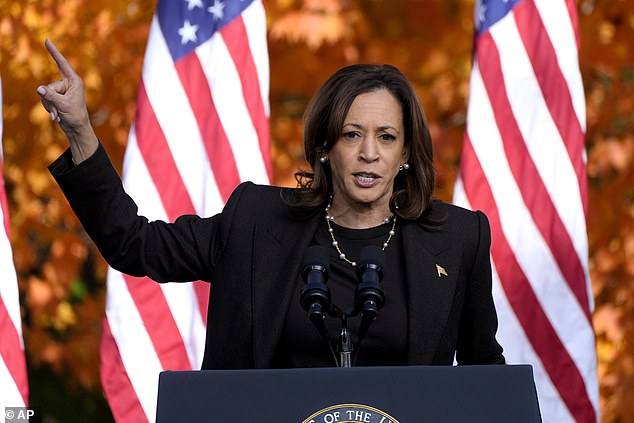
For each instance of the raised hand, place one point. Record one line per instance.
(65, 101)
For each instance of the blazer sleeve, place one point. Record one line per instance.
(185, 250)
(478, 323)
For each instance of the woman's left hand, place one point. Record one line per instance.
(65, 101)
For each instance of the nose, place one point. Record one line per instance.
(368, 151)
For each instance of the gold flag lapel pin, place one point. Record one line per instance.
(441, 271)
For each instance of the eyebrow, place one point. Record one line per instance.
(380, 128)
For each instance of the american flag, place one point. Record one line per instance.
(14, 386)
(201, 128)
(523, 164)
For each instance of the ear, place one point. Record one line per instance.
(406, 153)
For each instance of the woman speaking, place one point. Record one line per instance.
(370, 184)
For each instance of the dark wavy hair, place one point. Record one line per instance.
(323, 126)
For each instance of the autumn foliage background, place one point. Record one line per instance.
(62, 277)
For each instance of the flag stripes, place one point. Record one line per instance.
(141, 364)
(254, 20)
(163, 169)
(534, 193)
(571, 5)
(175, 119)
(123, 400)
(529, 247)
(561, 23)
(554, 88)
(159, 322)
(551, 159)
(235, 36)
(14, 387)
(201, 127)
(215, 138)
(224, 82)
(166, 174)
(537, 326)
(523, 164)
(14, 384)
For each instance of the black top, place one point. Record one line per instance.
(252, 253)
(386, 341)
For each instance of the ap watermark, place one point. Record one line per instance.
(20, 414)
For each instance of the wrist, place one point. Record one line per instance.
(83, 143)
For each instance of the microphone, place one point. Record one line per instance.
(369, 296)
(315, 296)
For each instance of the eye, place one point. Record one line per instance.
(351, 135)
(387, 137)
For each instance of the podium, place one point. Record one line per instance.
(409, 394)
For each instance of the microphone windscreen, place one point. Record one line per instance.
(372, 255)
(316, 255)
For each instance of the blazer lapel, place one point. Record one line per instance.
(431, 269)
(278, 251)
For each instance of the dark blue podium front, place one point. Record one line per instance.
(362, 394)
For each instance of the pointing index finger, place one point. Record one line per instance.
(64, 67)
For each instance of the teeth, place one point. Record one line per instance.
(366, 178)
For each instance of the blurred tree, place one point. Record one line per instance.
(607, 64)
(61, 279)
(61, 275)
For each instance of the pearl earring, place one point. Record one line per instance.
(323, 159)
(404, 166)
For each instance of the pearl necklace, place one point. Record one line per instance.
(335, 243)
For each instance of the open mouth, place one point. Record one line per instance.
(366, 179)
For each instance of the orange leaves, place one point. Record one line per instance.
(61, 282)
(39, 293)
(611, 155)
(318, 23)
(62, 293)
(628, 250)
(606, 60)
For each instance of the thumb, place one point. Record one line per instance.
(51, 94)
(56, 87)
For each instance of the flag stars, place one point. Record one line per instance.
(188, 32)
(481, 11)
(217, 10)
(191, 4)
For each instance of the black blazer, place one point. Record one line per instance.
(252, 253)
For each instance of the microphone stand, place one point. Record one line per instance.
(369, 297)
(345, 346)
